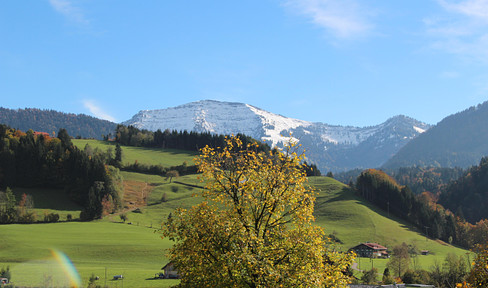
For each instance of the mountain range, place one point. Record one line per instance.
(330, 147)
(459, 140)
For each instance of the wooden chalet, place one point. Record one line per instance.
(170, 271)
(370, 250)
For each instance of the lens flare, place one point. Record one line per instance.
(68, 268)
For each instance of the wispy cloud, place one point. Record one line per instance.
(96, 110)
(449, 75)
(471, 8)
(69, 10)
(341, 18)
(461, 29)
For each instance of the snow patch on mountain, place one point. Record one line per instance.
(275, 125)
(418, 129)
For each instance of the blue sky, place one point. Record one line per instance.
(343, 62)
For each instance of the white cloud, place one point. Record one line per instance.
(97, 111)
(471, 8)
(342, 18)
(69, 10)
(462, 28)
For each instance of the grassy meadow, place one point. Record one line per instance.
(136, 250)
(150, 156)
(354, 221)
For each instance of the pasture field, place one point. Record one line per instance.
(150, 156)
(133, 251)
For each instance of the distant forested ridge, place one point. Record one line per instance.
(421, 210)
(468, 195)
(418, 179)
(459, 140)
(35, 160)
(51, 121)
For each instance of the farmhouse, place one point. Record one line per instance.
(170, 271)
(371, 250)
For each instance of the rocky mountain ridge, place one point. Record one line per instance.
(331, 147)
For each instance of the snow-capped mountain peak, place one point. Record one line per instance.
(326, 145)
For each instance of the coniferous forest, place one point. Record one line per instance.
(467, 195)
(35, 160)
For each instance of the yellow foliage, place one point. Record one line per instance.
(478, 277)
(254, 228)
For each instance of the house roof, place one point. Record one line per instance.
(372, 246)
(375, 246)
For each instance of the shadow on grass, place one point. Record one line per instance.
(401, 222)
(348, 194)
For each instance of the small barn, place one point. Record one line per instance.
(370, 250)
(170, 271)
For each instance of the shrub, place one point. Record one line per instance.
(123, 217)
(51, 217)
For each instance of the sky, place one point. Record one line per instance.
(340, 62)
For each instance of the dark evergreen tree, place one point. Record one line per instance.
(65, 138)
(118, 153)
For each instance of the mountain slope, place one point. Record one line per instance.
(51, 121)
(459, 140)
(331, 147)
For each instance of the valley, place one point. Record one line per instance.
(137, 251)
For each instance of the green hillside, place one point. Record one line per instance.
(150, 156)
(137, 252)
(353, 221)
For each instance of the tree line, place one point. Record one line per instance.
(421, 210)
(184, 140)
(191, 141)
(36, 160)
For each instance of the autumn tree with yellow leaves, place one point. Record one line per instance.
(254, 227)
(478, 277)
